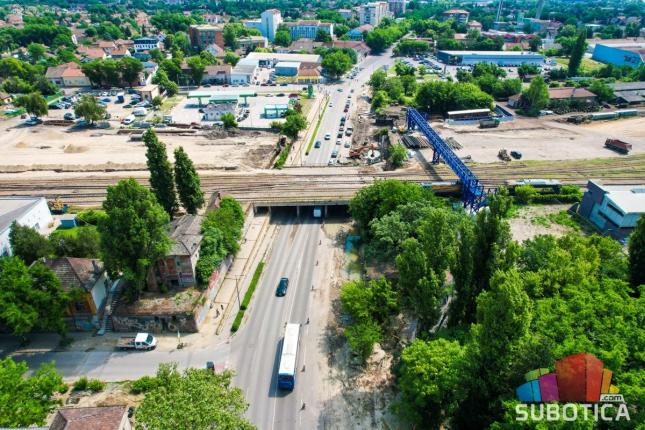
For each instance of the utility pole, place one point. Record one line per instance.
(499, 10)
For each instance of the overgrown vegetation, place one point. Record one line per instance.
(513, 308)
(221, 230)
(247, 297)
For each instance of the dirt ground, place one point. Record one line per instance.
(57, 147)
(545, 139)
(356, 397)
(531, 221)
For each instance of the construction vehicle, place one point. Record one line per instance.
(618, 145)
(489, 123)
(57, 207)
(503, 155)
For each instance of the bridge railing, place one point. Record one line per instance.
(473, 191)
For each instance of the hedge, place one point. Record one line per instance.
(247, 297)
(282, 158)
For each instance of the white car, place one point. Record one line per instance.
(327, 136)
(128, 120)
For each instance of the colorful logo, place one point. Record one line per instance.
(578, 378)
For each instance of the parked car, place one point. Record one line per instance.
(68, 116)
(281, 291)
(33, 121)
(143, 341)
(128, 120)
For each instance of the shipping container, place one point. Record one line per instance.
(627, 112)
(603, 115)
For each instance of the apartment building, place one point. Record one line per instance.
(373, 13)
(309, 29)
(202, 36)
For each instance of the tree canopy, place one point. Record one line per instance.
(161, 173)
(187, 181)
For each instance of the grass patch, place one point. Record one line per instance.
(168, 104)
(542, 221)
(313, 136)
(282, 158)
(587, 64)
(247, 297)
(565, 219)
(53, 97)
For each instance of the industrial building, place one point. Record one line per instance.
(629, 92)
(244, 71)
(632, 54)
(613, 209)
(27, 211)
(287, 68)
(500, 58)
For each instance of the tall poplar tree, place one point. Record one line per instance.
(577, 52)
(161, 175)
(188, 184)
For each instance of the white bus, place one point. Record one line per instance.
(288, 357)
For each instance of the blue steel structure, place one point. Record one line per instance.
(472, 190)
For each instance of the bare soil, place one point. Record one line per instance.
(532, 221)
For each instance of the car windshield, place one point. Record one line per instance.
(149, 339)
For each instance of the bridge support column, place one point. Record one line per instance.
(298, 211)
(325, 215)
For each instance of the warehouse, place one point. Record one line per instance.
(613, 209)
(287, 68)
(244, 71)
(631, 93)
(500, 58)
(632, 55)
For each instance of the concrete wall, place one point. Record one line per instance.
(155, 324)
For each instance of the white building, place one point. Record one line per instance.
(244, 72)
(28, 211)
(270, 19)
(146, 44)
(373, 13)
(215, 109)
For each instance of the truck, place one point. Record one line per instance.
(489, 123)
(618, 145)
(143, 341)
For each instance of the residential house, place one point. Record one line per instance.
(217, 74)
(148, 72)
(95, 418)
(177, 268)
(106, 45)
(120, 52)
(309, 29)
(5, 98)
(202, 36)
(220, 106)
(249, 43)
(216, 51)
(613, 209)
(474, 25)
(346, 13)
(303, 45)
(67, 75)
(358, 33)
(148, 92)
(89, 54)
(359, 47)
(142, 44)
(211, 18)
(309, 74)
(88, 276)
(459, 15)
(373, 13)
(27, 211)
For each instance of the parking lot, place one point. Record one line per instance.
(116, 110)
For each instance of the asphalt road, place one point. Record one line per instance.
(336, 105)
(255, 349)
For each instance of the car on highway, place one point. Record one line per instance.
(317, 144)
(331, 104)
(338, 142)
(281, 291)
(334, 153)
(340, 90)
(327, 136)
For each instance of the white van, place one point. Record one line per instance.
(141, 111)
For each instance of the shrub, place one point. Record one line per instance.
(95, 385)
(80, 384)
(143, 384)
(525, 193)
(91, 216)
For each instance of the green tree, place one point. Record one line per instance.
(377, 80)
(637, 254)
(377, 41)
(134, 233)
(32, 298)
(36, 52)
(197, 68)
(361, 338)
(409, 83)
(157, 101)
(188, 183)
(535, 43)
(161, 175)
(294, 124)
(604, 92)
(536, 96)
(130, 69)
(379, 100)
(85, 243)
(402, 69)
(398, 155)
(89, 109)
(282, 38)
(231, 58)
(229, 120)
(34, 103)
(322, 36)
(27, 243)
(195, 399)
(577, 52)
(27, 399)
(337, 63)
(230, 37)
(429, 380)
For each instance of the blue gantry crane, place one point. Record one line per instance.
(472, 190)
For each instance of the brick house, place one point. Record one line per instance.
(96, 418)
(90, 277)
(67, 75)
(177, 269)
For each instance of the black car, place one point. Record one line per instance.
(516, 154)
(282, 287)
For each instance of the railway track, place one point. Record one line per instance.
(90, 189)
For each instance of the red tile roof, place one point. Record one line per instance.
(76, 272)
(100, 418)
(569, 93)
